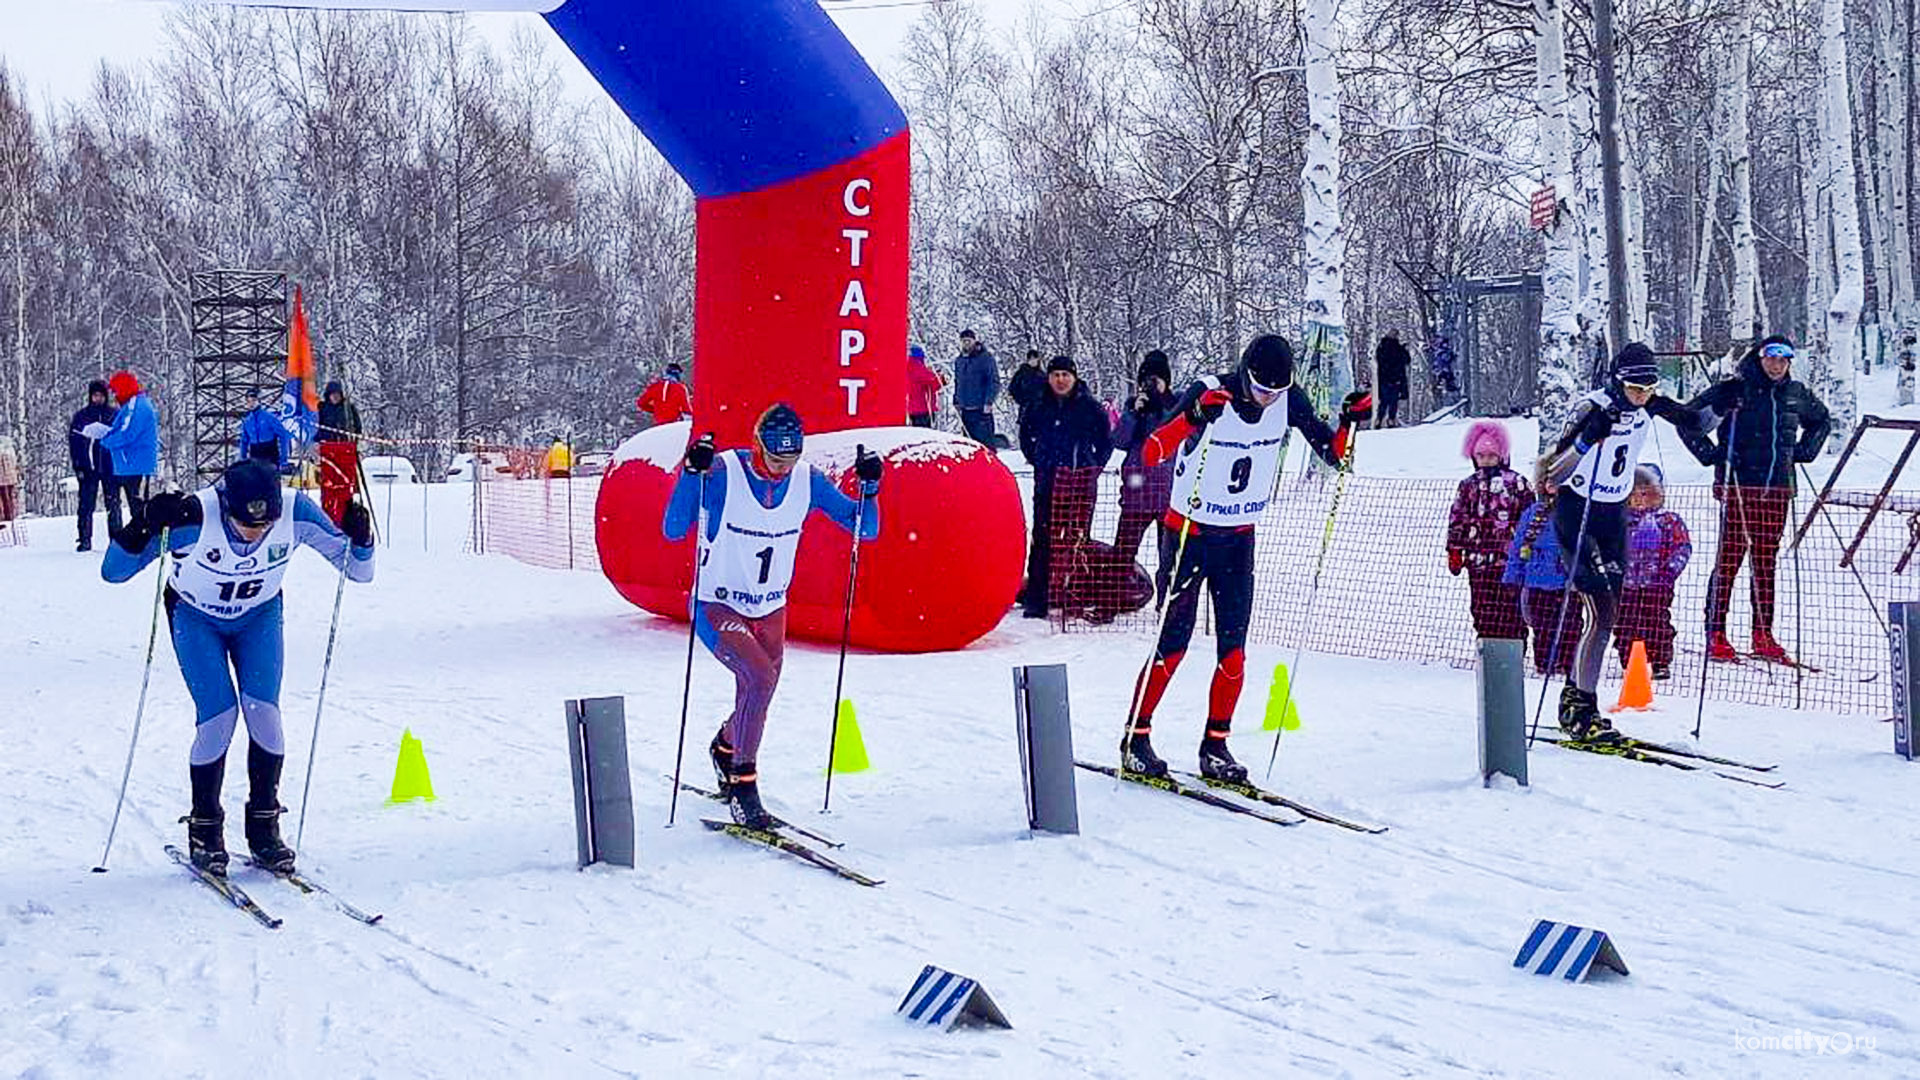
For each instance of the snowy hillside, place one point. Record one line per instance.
(1169, 939)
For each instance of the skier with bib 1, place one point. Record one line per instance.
(1225, 440)
(756, 503)
(231, 545)
(1594, 463)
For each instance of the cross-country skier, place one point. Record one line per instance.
(756, 502)
(231, 544)
(1225, 439)
(1594, 463)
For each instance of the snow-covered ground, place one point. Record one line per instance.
(1168, 939)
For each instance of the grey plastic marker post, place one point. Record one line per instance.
(1503, 710)
(602, 788)
(1043, 724)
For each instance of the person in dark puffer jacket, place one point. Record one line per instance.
(1066, 439)
(1756, 427)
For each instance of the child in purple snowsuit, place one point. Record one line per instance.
(1486, 511)
(1658, 547)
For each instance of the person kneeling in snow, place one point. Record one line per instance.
(231, 544)
(756, 504)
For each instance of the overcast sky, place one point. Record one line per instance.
(52, 46)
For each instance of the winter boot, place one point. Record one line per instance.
(206, 822)
(743, 799)
(1136, 754)
(1766, 648)
(721, 754)
(263, 838)
(1580, 717)
(1216, 762)
(207, 842)
(264, 810)
(1719, 648)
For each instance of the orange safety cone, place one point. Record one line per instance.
(1637, 691)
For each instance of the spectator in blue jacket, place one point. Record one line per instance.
(262, 436)
(133, 441)
(92, 464)
(976, 382)
(1533, 563)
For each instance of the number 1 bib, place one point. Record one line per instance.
(748, 565)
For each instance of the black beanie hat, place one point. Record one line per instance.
(1061, 363)
(1155, 364)
(250, 493)
(1634, 363)
(97, 386)
(1268, 360)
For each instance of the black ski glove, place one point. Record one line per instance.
(357, 522)
(700, 454)
(866, 465)
(1207, 407)
(172, 510)
(1598, 424)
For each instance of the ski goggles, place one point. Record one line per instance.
(1264, 392)
(1777, 351)
(1644, 388)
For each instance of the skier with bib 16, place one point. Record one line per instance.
(755, 505)
(1594, 463)
(1225, 439)
(231, 544)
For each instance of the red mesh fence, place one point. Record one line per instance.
(1386, 592)
(541, 520)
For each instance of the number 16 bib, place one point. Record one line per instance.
(223, 582)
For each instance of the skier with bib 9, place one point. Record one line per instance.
(1225, 440)
(1594, 463)
(232, 543)
(756, 503)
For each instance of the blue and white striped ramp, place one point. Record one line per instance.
(1568, 951)
(942, 999)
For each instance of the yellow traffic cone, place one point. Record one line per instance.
(1279, 698)
(849, 750)
(410, 779)
(1637, 691)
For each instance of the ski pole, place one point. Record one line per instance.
(693, 634)
(1313, 591)
(1167, 601)
(320, 702)
(846, 633)
(140, 710)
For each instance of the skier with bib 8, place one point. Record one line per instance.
(755, 504)
(1225, 440)
(231, 544)
(1594, 463)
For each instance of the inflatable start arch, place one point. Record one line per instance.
(798, 160)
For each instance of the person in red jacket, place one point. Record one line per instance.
(665, 399)
(923, 388)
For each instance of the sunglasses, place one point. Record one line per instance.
(1645, 388)
(1778, 352)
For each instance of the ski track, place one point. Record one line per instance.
(1170, 938)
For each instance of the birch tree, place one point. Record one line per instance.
(1329, 365)
(1562, 376)
(1835, 119)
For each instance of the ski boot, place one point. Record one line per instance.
(263, 838)
(743, 799)
(721, 754)
(1580, 717)
(1766, 648)
(207, 843)
(1720, 649)
(1137, 756)
(1216, 762)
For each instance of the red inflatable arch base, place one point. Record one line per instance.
(943, 572)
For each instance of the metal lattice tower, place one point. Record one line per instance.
(239, 344)
(1450, 305)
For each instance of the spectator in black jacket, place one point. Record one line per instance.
(1066, 439)
(1756, 427)
(1027, 386)
(1390, 361)
(92, 465)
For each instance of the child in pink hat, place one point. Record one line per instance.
(1485, 512)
